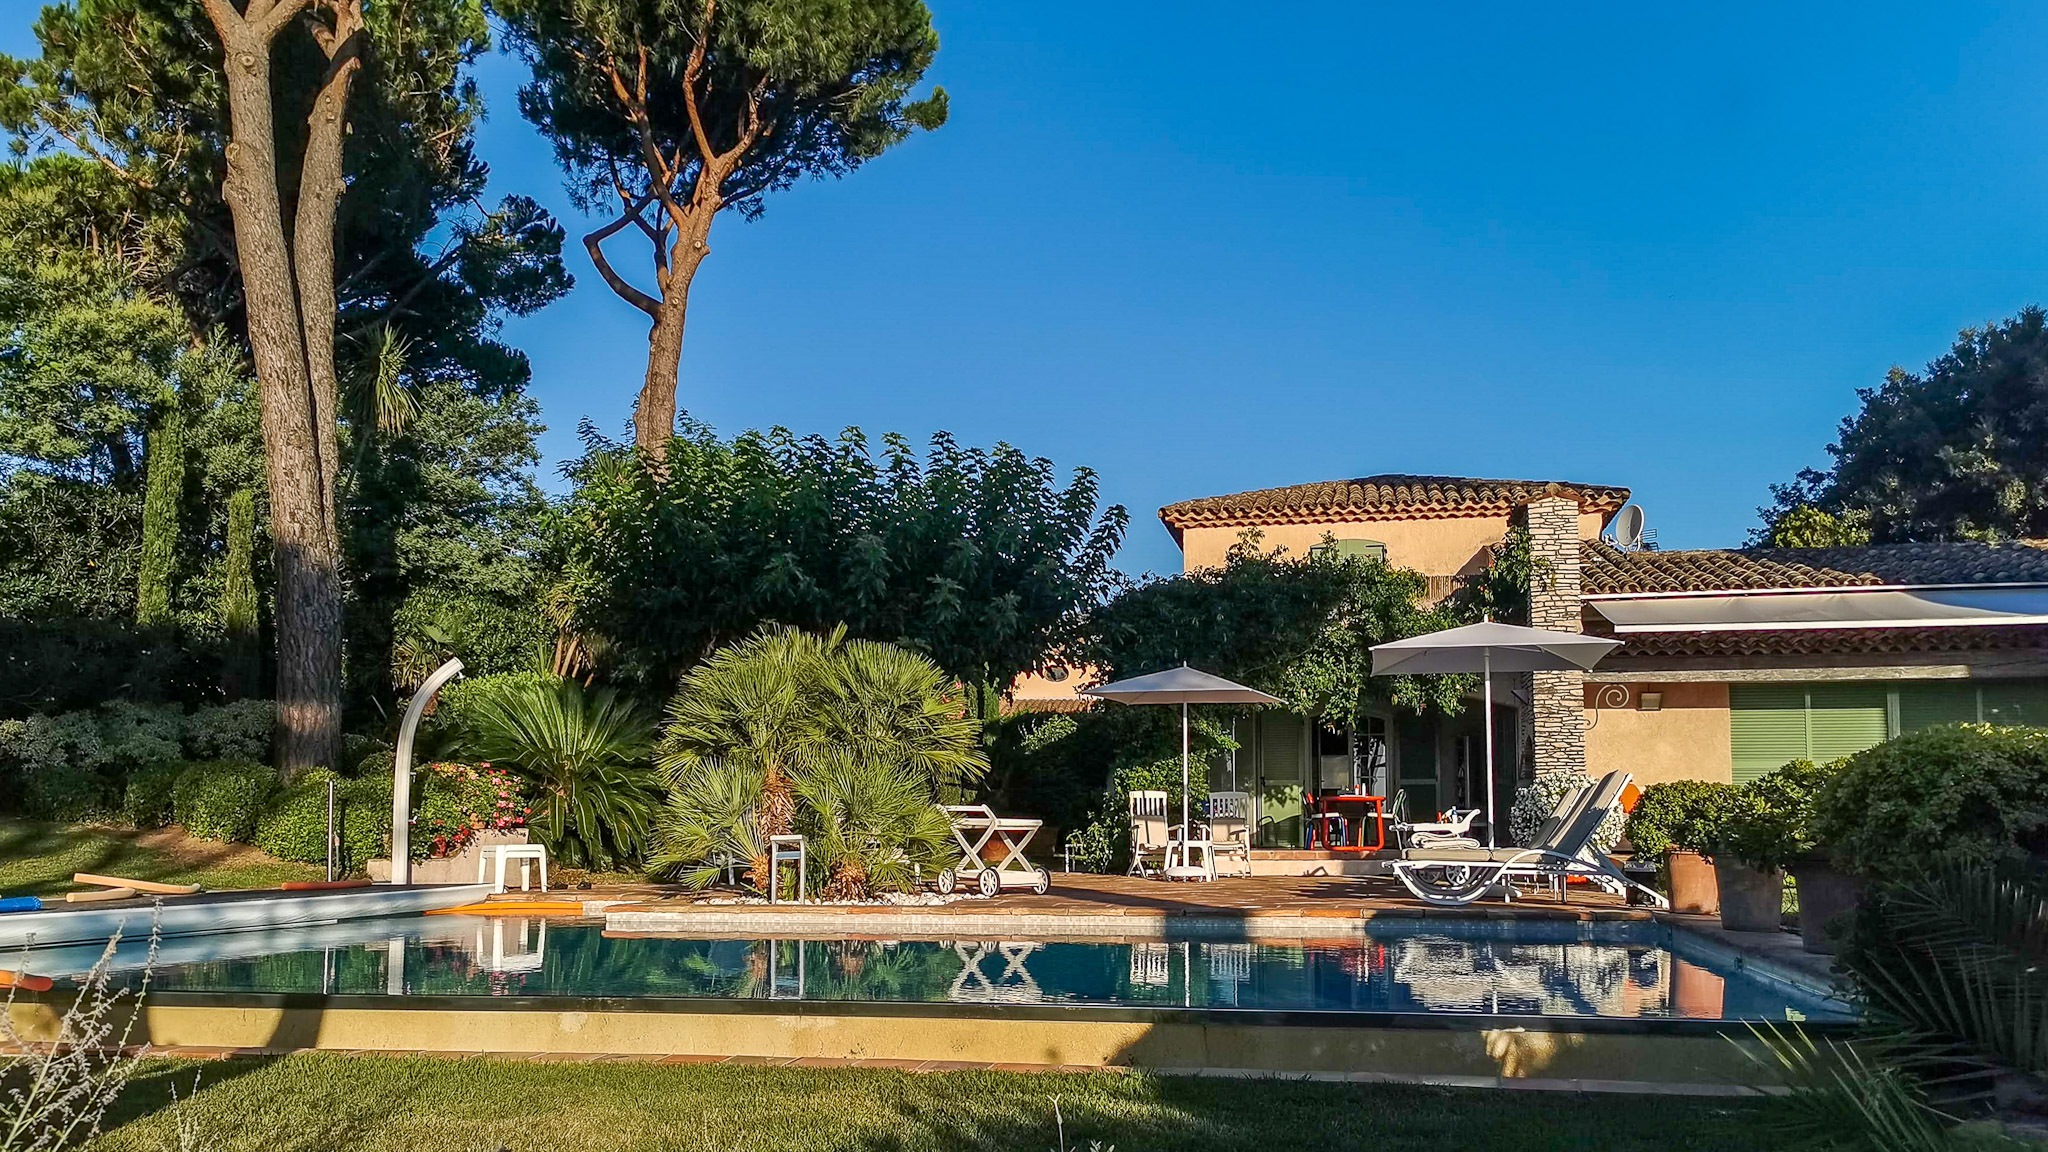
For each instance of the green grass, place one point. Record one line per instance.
(38, 859)
(332, 1103)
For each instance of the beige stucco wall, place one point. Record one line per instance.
(1686, 739)
(1446, 546)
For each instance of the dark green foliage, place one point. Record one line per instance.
(147, 801)
(160, 503)
(241, 659)
(66, 664)
(1957, 794)
(1958, 452)
(1300, 629)
(585, 759)
(1685, 815)
(294, 825)
(365, 819)
(1769, 823)
(830, 81)
(977, 558)
(222, 800)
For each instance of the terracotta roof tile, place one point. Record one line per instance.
(1822, 642)
(1369, 497)
(1607, 570)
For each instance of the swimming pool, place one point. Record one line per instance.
(1626, 971)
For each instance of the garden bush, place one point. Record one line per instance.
(1536, 800)
(237, 731)
(458, 801)
(294, 826)
(1769, 822)
(146, 802)
(1680, 814)
(365, 820)
(1953, 795)
(53, 764)
(222, 800)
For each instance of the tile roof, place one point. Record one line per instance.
(1607, 570)
(1375, 497)
(1842, 642)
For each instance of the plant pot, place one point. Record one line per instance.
(1751, 901)
(1693, 885)
(1825, 895)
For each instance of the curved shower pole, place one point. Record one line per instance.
(401, 771)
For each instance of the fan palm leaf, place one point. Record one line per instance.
(584, 754)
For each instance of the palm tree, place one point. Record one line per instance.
(585, 754)
(852, 739)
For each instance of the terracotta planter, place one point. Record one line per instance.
(1693, 886)
(1751, 901)
(1825, 896)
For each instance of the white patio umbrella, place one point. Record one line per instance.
(1182, 686)
(1483, 648)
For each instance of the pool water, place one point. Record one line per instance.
(1624, 971)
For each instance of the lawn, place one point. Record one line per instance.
(38, 859)
(333, 1103)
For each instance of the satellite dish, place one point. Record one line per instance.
(1628, 526)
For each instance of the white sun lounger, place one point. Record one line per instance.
(1561, 850)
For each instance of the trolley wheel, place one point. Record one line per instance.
(990, 883)
(1043, 884)
(948, 882)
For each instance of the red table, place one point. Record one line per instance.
(1354, 810)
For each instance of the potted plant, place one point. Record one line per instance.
(1826, 889)
(1677, 820)
(1749, 849)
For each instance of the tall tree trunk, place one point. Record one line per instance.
(654, 416)
(307, 552)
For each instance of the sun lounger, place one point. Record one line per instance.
(1562, 850)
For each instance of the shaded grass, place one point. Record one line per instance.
(37, 859)
(331, 1103)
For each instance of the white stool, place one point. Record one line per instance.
(519, 852)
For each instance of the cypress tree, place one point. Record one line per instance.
(238, 597)
(163, 493)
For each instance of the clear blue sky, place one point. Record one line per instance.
(1203, 247)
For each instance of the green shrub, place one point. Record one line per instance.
(294, 826)
(134, 736)
(1680, 814)
(1958, 794)
(365, 820)
(238, 731)
(1769, 822)
(55, 765)
(147, 802)
(221, 800)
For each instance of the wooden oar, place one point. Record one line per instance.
(149, 886)
(99, 894)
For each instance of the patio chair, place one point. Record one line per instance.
(1230, 827)
(1148, 831)
(1452, 876)
(1455, 831)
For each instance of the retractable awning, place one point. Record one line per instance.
(1945, 607)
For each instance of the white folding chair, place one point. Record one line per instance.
(1230, 827)
(1148, 831)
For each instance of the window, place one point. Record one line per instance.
(1349, 549)
(1771, 724)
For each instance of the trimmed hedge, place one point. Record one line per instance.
(222, 800)
(1684, 815)
(294, 827)
(147, 801)
(1957, 794)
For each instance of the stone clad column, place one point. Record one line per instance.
(1558, 711)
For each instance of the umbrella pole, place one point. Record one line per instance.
(1183, 782)
(1486, 695)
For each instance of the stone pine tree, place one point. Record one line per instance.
(666, 113)
(288, 283)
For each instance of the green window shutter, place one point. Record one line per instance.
(2016, 702)
(1843, 719)
(1925, 703)
(1349, 549)
(1767, 727)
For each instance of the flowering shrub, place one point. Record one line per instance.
(458, 801)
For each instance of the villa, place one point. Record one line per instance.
(1733, 661)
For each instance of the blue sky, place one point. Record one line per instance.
(1200, 248)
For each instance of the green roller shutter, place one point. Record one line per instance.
(2016, 702)
(1923, 704)
(1843, 719)
(1771, 725)
(1766, 727)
